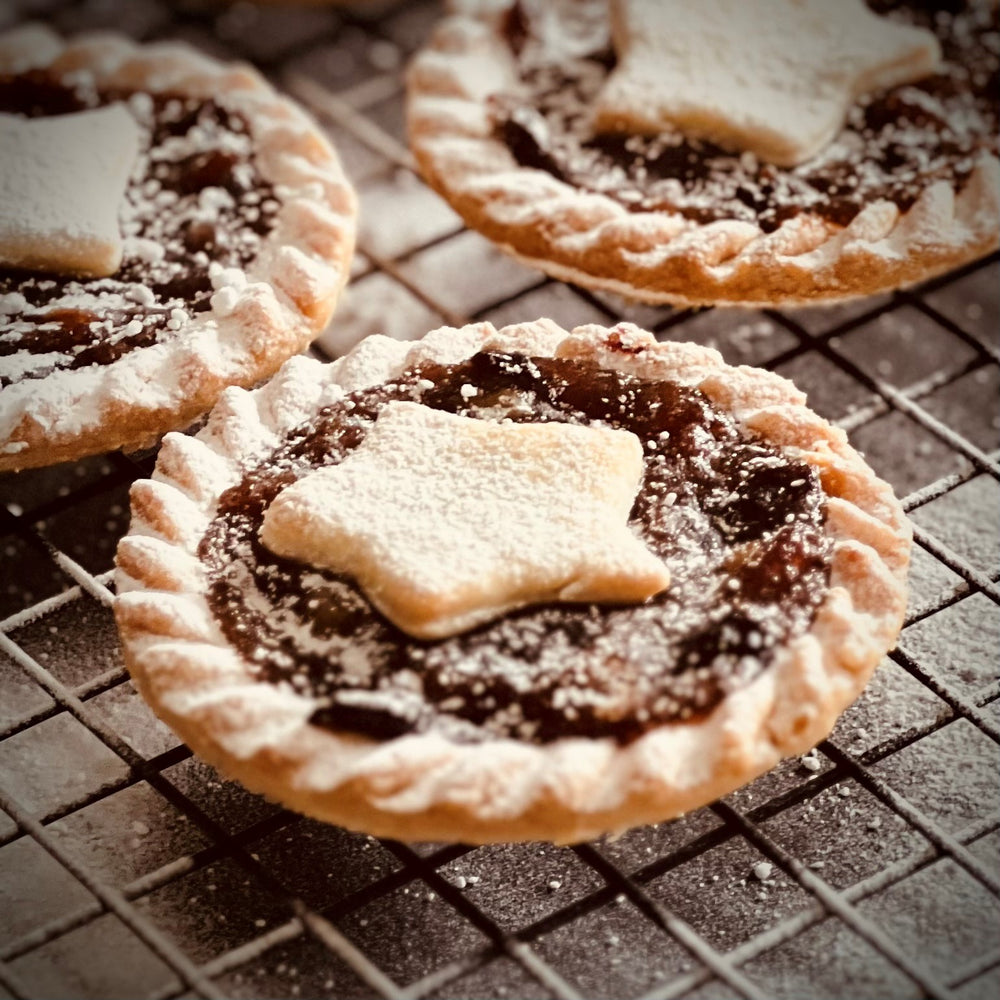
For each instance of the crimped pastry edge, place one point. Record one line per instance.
(659, 257)
(423, 787)
(291, 289)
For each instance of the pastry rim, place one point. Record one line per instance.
(655, 256)
(293, 282)
(421, 786)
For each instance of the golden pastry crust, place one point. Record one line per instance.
(425, 786)
(283, 299)
(657, 256)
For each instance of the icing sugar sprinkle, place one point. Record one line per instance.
(712, 506)
(448, 522)
(189, 200)
(62, 178)
(893, 144)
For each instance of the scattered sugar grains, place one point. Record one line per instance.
(356, 668)
(62, 193)
(164, 230)
(559, 88)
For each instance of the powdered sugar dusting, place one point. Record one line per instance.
(194, 197)
(744, 546)
(775, 79)
(448, 522)
(894, 144)
(62, 179)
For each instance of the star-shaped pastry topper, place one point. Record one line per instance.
(773, 77)
(447, 522)
(62, 182)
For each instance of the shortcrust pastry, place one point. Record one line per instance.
(588, 144)
(171, 226)
(758, 575)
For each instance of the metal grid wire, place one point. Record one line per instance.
(869, 869)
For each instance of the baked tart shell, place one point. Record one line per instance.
(290, 287)
(424, 786)
(660, 256)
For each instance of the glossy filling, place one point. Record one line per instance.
(195, 200)
(740, 526)
(893, 145)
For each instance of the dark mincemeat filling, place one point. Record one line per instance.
(740, 526)
(893, 145)
(149, 297)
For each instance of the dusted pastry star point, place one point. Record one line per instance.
(773, 77)
(447, 522)
(62, 182)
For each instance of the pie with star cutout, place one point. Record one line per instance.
(510, 584)
(731, 152)
(169, 226)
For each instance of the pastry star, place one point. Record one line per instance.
(62, 180)
(775, 77)
(447, 522)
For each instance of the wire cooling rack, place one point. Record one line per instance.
(867, 869)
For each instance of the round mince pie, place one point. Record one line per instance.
(507, 585)
(170, 226)
(792, 151)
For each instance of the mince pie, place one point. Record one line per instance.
(506, 585)
(170, 226)
(729, 152)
